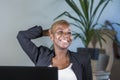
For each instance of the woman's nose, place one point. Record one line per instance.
(67, 34)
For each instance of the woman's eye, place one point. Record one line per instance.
(69, 33)
(60, 32)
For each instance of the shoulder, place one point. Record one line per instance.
(72, 53)
(80, 57)
(44, 49)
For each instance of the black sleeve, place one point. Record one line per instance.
(24, 38)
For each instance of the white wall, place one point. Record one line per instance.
(16, 15)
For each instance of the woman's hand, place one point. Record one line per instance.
(45, 32)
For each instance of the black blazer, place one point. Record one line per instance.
(42, 56)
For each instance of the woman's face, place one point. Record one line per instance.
(61, 36)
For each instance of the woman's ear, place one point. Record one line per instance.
(51, 34)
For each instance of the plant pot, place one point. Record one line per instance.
(92, 52)
(102, 62)
(99, 60)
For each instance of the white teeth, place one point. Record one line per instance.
(64, 40)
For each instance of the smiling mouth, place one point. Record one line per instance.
(64, 40)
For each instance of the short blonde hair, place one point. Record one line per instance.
(59, 22)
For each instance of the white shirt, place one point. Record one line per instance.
(66, 74)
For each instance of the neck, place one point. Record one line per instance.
(61, 53)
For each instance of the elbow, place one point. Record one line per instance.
(20, 35)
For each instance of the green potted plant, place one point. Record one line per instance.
(87, 18)
(88, 14)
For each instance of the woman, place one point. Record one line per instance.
(68, 63)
